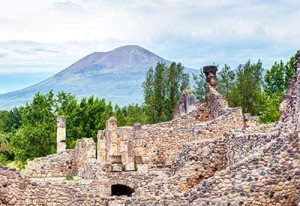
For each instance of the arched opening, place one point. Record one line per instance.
(119, 190)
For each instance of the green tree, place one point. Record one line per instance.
(200, 85)
(247, 91)
(119, 114)
(159, 85)
(6, 155)
(4, 117)
(289, 71)
(10, 120)
(135, 114)
(36, 136)
(275, 85)
(63, 103)
(270, 111)
(226, 79)
(148, 88)
(275, 79)
(162, 88)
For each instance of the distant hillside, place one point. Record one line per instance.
(116, 75)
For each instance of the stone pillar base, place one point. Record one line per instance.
(117, 167)
(130, 167)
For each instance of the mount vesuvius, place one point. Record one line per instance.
(116, 75)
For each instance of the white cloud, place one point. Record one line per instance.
(68, 6)
(194, 32)
(33, 57)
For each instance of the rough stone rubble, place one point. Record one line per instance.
(208, 154)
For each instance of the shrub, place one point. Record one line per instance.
(69, 177)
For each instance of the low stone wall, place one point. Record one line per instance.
(55, 165)
(19, 191)
(80, 161)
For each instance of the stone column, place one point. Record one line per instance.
(114, 145)
(111, 128)
(211, 78)
(61, 134)
(102, 148)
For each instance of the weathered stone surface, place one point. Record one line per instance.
(61, 134)
(186, 104)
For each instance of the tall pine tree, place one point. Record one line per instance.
(162, 88)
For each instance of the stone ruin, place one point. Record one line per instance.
(186, 104)
(61, 134)
(209, 154)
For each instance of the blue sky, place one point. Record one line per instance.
(40, 38)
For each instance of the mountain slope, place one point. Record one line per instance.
(116, 75)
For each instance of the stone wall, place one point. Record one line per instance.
(263, 168)
(80, 161)
(242, 143)
(217, 105)
(87, 165)
(18, 190)
(55, 165)
(268, 177)
(197, 161)
(157, 145)
(163, 141)
(114, 142)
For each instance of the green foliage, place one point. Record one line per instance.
(36, 136)
(274, 79)
(135, 114)
(32, 130)
(162, 88)
(6, 154)
(270, 111)
(246, 91)
(226, 79)
(200, 87)
(275, 85)
(69, 177)
(119, 114)
(10, 120)
(278, 77)
(3, 120)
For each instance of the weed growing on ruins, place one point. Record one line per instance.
(69, 177)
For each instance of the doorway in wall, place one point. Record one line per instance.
(119, 190)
